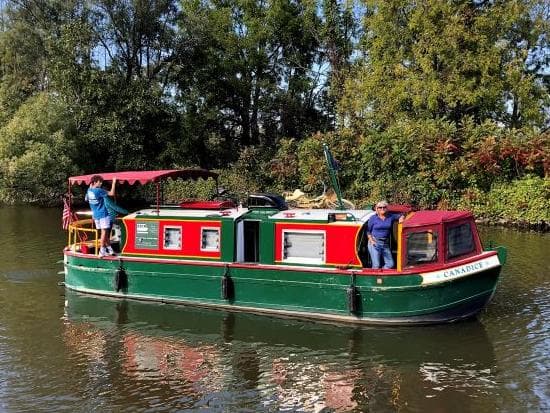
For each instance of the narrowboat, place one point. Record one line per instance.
(262, 257)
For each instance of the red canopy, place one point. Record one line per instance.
(144, 177)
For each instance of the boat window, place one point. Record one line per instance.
(460, 240)
(304, 247)
(421, 247)
(210, 239)
(172, 238)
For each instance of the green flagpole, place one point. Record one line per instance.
(333, 177)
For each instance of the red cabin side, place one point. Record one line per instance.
(339, 242)
(173, 238)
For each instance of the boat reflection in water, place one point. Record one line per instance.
(173, 357)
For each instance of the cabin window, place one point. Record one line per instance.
(304, 247)
(460, 240)
(421, 247)
(210, 239)
(172, 238)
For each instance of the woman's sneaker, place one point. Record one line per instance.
(102, 252)
(110, 251)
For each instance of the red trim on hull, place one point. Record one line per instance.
(359, 272)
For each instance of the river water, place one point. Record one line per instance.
(65, 352)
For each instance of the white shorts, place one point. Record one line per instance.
(103, 223)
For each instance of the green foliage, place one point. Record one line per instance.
(131, 129)
(410, 162)
(245, 72)
(439, 59)
(36, 152)
(428, 163)
(524, 200)
(284, 165)
(312, 164)
(248, 174)
(22, 58)
(338, 31)
(176, 191)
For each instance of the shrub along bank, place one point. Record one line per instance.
(501, 175)
(522, 203)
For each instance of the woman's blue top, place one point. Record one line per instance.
(381, 228)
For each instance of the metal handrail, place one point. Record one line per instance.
(76, 242)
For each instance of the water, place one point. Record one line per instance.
(65, 352)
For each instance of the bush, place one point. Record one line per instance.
(521, 201)
(176, 191)
(35, 152)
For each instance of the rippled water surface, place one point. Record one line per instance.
(65, 352)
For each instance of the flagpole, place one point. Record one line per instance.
(333, 177)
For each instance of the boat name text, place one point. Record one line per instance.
(463, 270)
(460, 271)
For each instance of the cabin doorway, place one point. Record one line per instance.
(363, 248)
(249, 242)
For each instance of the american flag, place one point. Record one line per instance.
(68, 215)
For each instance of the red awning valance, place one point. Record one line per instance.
(144, 177)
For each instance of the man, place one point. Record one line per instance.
(96, 198)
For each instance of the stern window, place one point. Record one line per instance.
(421, 247)
(304, 247)
(460, 240)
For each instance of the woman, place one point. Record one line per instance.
(379, 228)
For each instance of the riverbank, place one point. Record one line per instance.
(541, 226)
(522, 204)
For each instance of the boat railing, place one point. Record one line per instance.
(82, 236)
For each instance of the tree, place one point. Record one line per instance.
(245, 70)
(434, 59)
(36, 151)
(107, 62)
(110, 64)
(136, 37)
(338, 31)
(23, 56)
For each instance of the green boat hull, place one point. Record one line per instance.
(290, 292)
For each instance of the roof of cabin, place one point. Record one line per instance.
(176, 212)
(320, 214)
(144, 177)
(420, 218)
